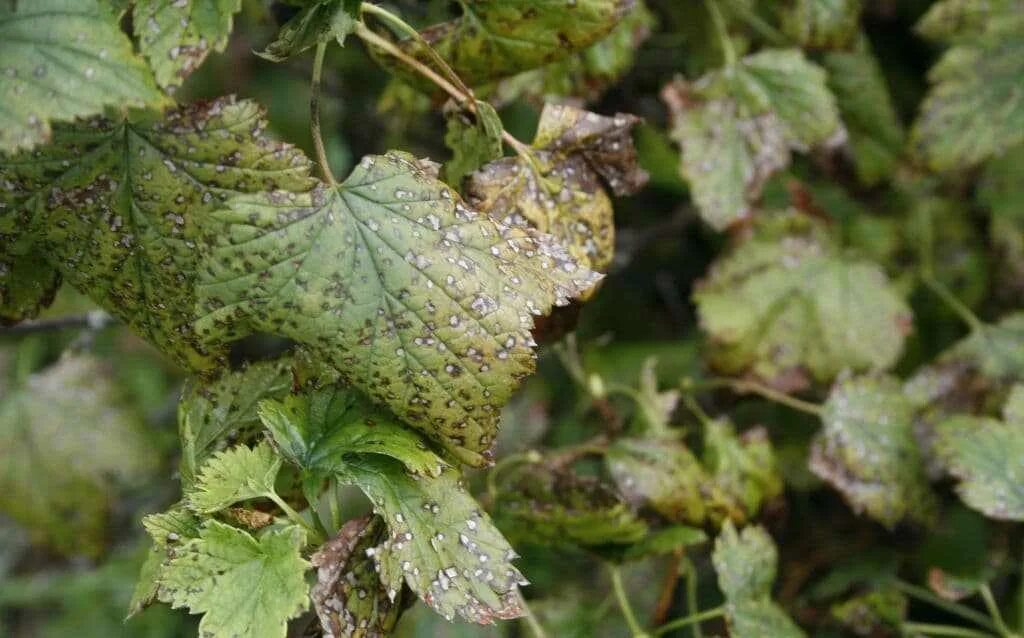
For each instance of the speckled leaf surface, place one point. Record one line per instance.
(68, 442)
(497, 38)
(319, 22)
(238, 474)
(440, 542)
(785, 303)
(419, 301)
(743, 466)
(168, 530)
(317, 430)
(662, 473)
(177, 35)
(27, 285)
(867, 450)
(115, 207)
(348, 596)
(242, 585)
(987, 456)
(62, 59)
(821, 24)
(578, 153)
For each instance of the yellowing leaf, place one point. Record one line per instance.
(243, 586)
(114, 206)
(62, 59)
(177, 35)
(419, 301)
(234, 475)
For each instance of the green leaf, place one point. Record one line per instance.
(662, 473)
(319, 429)
(876, 133)
(474, 141)
(348, 596)
(238, 474)
(497, 38)
(27, 285)
(987, 456)
(168, 530)
(210, 412)
(243, 586)
(736, 127)
(654, 408)
(575, 150)
(319, 22)
(952, 20)
(868, 452)
(973, 110)
(88, 65)
(417, 300)
(538, 505)
(665, 541)
(743, 467)
(785, 303)
(757, 618)
(440, 543)
(176, 36)
(114, 206)
(880, 611)
(70, 447)
(822, 24)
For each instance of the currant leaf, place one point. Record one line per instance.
(238, 474)
(821, 24)
(662, 473)
(743, 467)
(27, 285)
(168, 530)
(319, 22)
(473, 141)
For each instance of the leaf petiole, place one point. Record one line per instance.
(693, 619)
(723, 33)
(752, 387)
(957, 609)
(926, 629)
(627, 609)
(314, 534)
(314, 114)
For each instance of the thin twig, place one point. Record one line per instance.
(960, 308)
(95, 320)
(745, 386)
(944, 630)
(956, 609)
(668, 589)
(723, 33)
(627, 609)
(314, 114)
(690, 620)
(531, 619)
(993, 610)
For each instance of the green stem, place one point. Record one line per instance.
(691, 597)
(693, 619)
(295, 517)
(531, 619)
(723, 33)
(753, 387)
(755, 22)
(945, 630)
(627, 609)
(335, 506)
(956, 609)
(993, 611)
(314, 114)
(966, 314)
(693, 406)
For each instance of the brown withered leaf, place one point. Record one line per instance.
(577, 154)
(348, 596)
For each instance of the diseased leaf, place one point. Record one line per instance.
(654, 407)
(821, 24)
(743, 467)
(115, 205)
(497, 38)
(319, 429)
(876, 134)
(867, 451)
(474, 141)
(785, 303)
(952, 20)
(321, 21)
(973, 110)
(662, 473)
(88, 65)
(348, 596)
(27, 285)
(168, 530)
(69, 445)
(575, 150)
(243, 586)
(234, 475)
(417, 300)
(761, 617)
(177, 35)
(876, 612)
(1001, 191)
(439, 542)
(987, 456)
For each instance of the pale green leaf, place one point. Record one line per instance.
(867, 450)
(419, 301)
(878, 611)
(821, 24)
(27, 285)
(654, 408)
(70, 445)
(177, 35)
(662, 473)
(576, 152)
(114, 206)
(319, 429)
(760, 618)
(319, 22)
(987, 456)
(440, 543)
(243, 586)
(665, 542)
(238, 474)
(168, 530)
(62, 59)
(785, 302)
(951, 20)
(744, 466)
(473, 140)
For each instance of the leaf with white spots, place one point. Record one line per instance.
(114, 206)
(577, 152)
(168, 530)
(177, 35)
(319, 429)
(348, 596)
(27, 285)
(419, 301)
(987, 455)
(62, 59)
(743, 466)
(663, 473)
(439, 542)
(867, 450)
(243, 586)
(234, 475)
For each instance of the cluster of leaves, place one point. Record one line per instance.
(323, 488)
